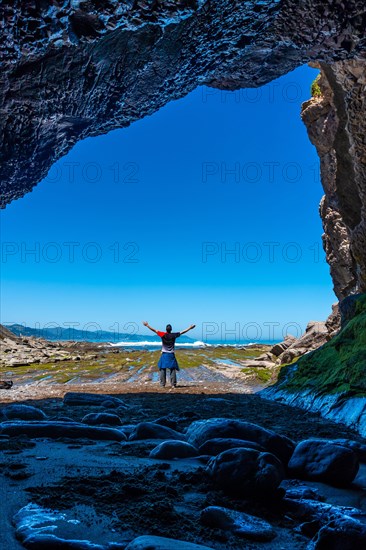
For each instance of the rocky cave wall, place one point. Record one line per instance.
(336, 123)
(75, 69)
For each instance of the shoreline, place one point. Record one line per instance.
(34, 392)
(99, 369)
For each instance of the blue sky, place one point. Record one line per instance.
(140, 223)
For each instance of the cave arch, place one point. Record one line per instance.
(85, 70)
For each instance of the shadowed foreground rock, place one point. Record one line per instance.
(321, 460)
(246, 473)
(95, 419)
(18, 411)
(93, 399)
(100, 493)
(54, 430)
(150, 430)
(203, 430)
(169, 450)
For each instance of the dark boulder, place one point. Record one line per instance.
(246, 472)
(319, 460)
(91, 399)
(151, 430)
(216, 446)
(169, 450)
(203, 430)
(345, 535)
(55, 430)
(356, 446)
(23, 412)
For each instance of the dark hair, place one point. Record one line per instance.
(169, 328)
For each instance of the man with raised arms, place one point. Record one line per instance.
(167, 359)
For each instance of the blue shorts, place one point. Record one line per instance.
(168, 361)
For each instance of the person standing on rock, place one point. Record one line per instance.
(167, 359)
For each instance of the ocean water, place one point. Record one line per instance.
(198, 344)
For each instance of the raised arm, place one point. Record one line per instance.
(187, 329)
(146, 324)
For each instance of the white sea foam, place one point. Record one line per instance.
(146, 343)
(135, 344)
(195, 344)
(241, 345)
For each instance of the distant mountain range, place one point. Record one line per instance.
(61, 333)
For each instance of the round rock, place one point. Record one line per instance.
(246, 472)
(23, 412)
(151, 430)
(169, 450)
(320, 460)
(356, 446)
(55, 430)
(91, 399)
(213, 428)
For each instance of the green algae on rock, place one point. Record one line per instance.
(332, 379)
(339, 365)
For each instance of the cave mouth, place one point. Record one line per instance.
(82, 69)
(178, 216)
(215, 195)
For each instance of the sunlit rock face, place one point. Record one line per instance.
(336, 125)
(77, 68)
